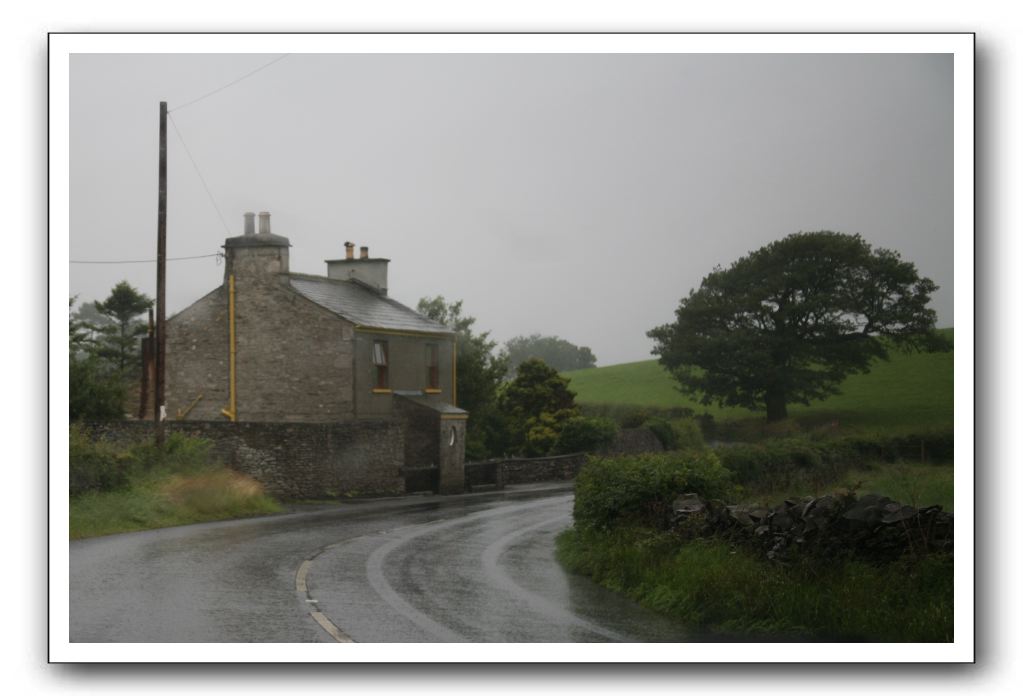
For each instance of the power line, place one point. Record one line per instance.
(201, 177)
(179, 258)
(229, 84)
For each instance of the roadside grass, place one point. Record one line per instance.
(726, 589)
(715, 587)
(919, 485)
(911, 390)
(183, 485)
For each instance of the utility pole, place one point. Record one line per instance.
(159, 408)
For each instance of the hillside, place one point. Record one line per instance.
(912, 390)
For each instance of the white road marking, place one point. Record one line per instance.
(330, 628)
(303, 570)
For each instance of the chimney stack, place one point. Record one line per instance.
(371, 273)
(255, 256)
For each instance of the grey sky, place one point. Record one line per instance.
(576, 195)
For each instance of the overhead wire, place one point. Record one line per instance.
(179, 258)
(230, 84)
(195, 165)
(201, 177)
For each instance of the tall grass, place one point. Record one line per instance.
(714, 586)
(181, 484)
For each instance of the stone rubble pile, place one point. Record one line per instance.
(871, 527)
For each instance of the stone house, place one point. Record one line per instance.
(273, 346)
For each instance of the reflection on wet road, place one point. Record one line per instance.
(477, 568)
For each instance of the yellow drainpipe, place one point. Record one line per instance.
(232, 410)
(454, 371)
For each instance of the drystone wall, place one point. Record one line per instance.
(297, 460)
(871, 527)
(499, 472)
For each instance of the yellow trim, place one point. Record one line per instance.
(381, 391)
(393, 332)
(454, 416)
(432, 391)
(232, 410)
(181, 414)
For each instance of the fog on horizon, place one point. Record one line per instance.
(577, 195)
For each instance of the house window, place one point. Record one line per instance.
(432, 369)
(380, 361)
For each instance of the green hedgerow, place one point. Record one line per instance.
(640, 488)
(582, 434)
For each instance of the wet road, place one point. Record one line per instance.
(477, 568)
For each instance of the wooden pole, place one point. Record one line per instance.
(159, 407)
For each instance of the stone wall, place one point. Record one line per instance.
(500, 472)
(298, 460)
(871, 527)
(293, 357)
(197, 358)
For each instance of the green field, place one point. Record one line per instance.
(911, 390)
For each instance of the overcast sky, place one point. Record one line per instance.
(575, 195)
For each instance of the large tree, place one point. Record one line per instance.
(556, 352)
(789, 322)
(480, 370)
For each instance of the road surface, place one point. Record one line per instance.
(471, 568)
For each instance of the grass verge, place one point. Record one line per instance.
(181, 485)
(713, 586)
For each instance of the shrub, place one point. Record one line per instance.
(95, 465)
(91, 394)
(681, 433)
(689, 433)
(542, 432)
(932, 445)
(581, 434)
(639, 489)
(664, 432)
(635, 418)
(786, 463)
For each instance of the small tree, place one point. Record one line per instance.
(789, 322)
(93, 394)
(119, 341)
(537, 404)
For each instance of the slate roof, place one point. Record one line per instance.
(362, 306)
(444, 409)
